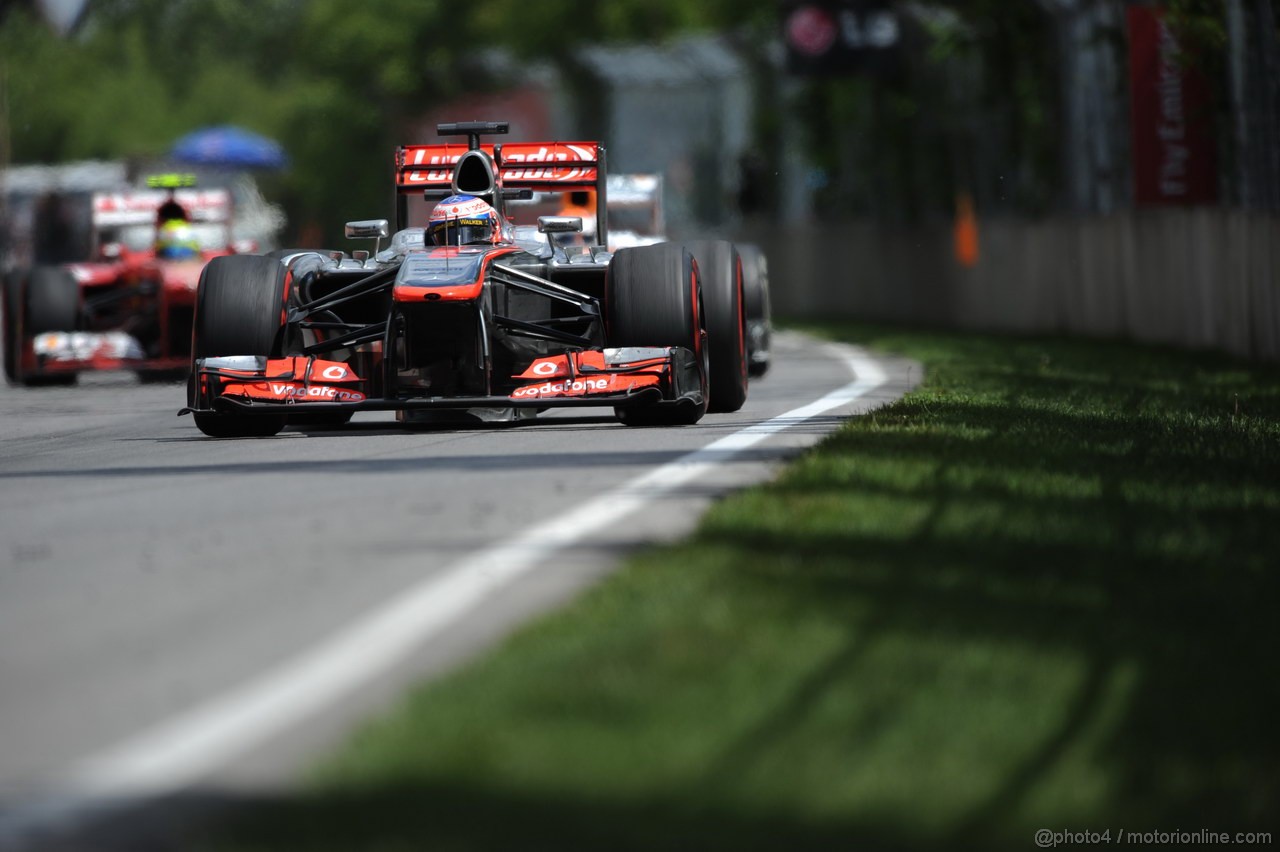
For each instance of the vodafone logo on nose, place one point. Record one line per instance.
(321, 392)
(561, 388)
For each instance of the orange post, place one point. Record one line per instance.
(965, 235)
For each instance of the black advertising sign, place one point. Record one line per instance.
(841, 37)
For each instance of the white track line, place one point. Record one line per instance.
(176, 753)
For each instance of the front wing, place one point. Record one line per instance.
(57, 352)
(623, 377)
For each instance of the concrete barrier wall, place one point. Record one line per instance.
(1200, 278)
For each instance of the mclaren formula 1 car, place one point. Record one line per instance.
(443, 330)
(129, 304)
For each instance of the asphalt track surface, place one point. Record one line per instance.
(181, 615)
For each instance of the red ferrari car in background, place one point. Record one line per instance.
(129, 305)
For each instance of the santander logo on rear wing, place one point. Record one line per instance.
(547, 166)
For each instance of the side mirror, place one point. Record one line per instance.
(559, 224)
(552, 225)
(368, 229)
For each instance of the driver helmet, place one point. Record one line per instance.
(464, 220)
(176, 241)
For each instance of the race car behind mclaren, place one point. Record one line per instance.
(462, 317)
(129, 304)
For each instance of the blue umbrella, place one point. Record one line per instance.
(229, 146)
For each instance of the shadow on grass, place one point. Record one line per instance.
(1191, 615)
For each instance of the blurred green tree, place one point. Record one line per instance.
(334, 81)
(337, 82)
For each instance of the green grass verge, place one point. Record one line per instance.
(1039, 592)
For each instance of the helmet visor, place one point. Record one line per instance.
(460, 232)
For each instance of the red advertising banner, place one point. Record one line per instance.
(1170, 115)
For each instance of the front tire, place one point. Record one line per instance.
(652, 298)
(720, 274)
(51, 303)
(282, 253)
(240, 308)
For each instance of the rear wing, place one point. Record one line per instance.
(140, 207)
(518, 167)
(545, 166)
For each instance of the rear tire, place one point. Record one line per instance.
(240, 307)
(652, 298)
(52, 303)
(755, 290)
(720, 274)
